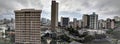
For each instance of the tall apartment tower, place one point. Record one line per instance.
(27, 23)
(74, 23)
(93, 21)
(54, 15)
(101, 24)
(112, 23)
(65, 21)
(85, 21)
(108, 23)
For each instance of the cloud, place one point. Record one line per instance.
(70, 8)
(7, 7)
(104, 8)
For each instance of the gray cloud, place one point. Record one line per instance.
(105, 8)
(8, 6)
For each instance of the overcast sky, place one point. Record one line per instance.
(67, 8)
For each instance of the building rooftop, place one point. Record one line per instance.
(28, 10)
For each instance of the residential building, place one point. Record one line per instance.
(112, 24)
(85, 21)
(71, 24)
(108, 21)
(64, 21)
(80, 23)
(54, 15)
(101, 24)
(117, 18)
(27, 23)
(74, 23)
(93, 21)
(45, 22)
(3, 29)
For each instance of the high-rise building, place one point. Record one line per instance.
(54, 15)
(64, 21)
(101, 24)
(112, 24)
(74, 23)
(108, 23)
(43, 21)
(85, 21)
(48, 22)
(27, 23)
(80, 23)
(117, 18)
(93, 21)
(104, 25)
(71, 24)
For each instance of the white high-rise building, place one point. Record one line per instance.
(117, 18)
(93, 21)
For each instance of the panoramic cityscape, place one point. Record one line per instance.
(59, 22)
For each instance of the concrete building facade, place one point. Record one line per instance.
(108, 21)
(93, 21)
(117, 18)
(54, 15)
(74, 23)
(85, 21)
(27, 23)
(64, 21)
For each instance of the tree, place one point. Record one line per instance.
(64, 38)
(75, 33)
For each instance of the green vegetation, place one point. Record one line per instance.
(116, 34)
(64, 38)
(75, 33)
(117, 24)
(2, 41)
(110, 31)
(72, 31)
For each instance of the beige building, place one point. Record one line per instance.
(74, 23)
(27, 23)
(85, 21)
(112, 24)
(54, 15)
(80, 23)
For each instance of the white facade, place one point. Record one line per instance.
(93, 21)
(117, 18)
(2, 31)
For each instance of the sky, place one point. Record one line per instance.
(67, 8)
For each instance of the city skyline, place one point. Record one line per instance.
(59, 22)
(72, 8)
